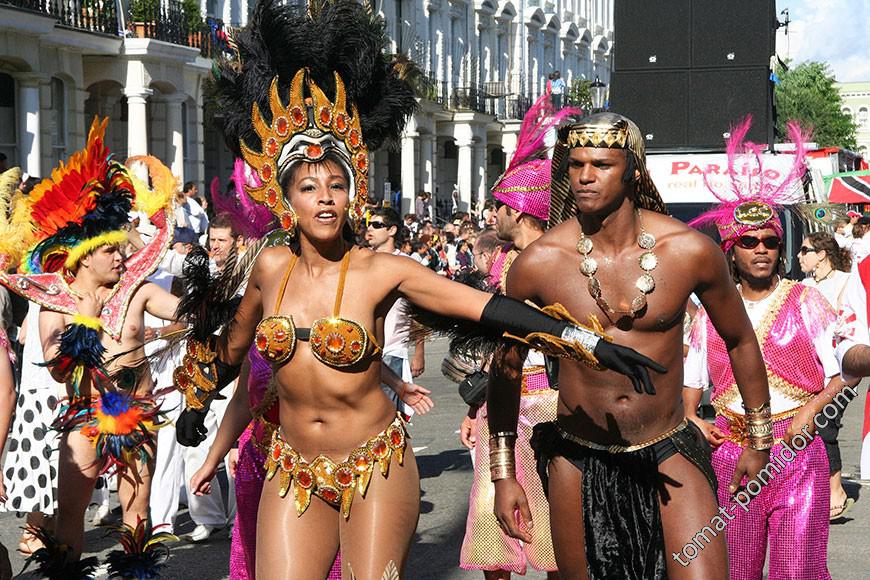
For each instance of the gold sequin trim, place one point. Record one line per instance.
(598, 135)
(620, 448)
(799, 396)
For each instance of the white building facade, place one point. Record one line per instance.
(485, 62)
(62, 64)
(856, 104)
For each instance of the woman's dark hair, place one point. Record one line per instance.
(840, 258)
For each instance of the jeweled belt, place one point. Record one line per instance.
(620, 448)
(332, 481)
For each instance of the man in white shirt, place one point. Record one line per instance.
(188, 212)
(381, 234)
(557, 89)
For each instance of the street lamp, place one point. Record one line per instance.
(597, 92)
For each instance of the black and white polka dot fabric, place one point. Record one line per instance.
(30, 468)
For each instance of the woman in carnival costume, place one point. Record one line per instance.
(68, 252)
(306, 98)
(252, 416)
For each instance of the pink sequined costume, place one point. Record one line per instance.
(524, 187)
(790, 497)
(485, 546)
(791, 510)
(250, 474)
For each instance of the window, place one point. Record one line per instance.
(8, 140)
(862, 118)
(450, 150)
(57, 123)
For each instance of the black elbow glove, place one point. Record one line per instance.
(555, 332)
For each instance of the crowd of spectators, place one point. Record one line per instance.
(447, 247)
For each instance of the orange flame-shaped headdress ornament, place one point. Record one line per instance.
(306, 129)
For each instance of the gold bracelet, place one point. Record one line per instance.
(759, 427)
(502, 463)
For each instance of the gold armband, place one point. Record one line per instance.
(502, 463)
(558, 346)
(759, 427)
(201, 372)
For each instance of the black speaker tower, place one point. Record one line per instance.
(686, 70)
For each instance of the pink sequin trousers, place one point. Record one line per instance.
(790, 513)
(485, 546)
(250, 475)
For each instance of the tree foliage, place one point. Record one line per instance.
(807, 94)
(580, 94)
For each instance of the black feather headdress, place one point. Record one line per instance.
(332, 36)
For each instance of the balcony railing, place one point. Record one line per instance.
(491, 97)
(167, 21)
(90, 15)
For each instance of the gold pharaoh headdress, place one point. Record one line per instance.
(606, 130)
(307, 129)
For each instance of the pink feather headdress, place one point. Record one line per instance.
(249, 218)
(525, 184)
(754, 199)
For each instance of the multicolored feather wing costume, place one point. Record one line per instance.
(82, 206)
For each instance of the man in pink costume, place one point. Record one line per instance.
(787, 504)
(522, 200)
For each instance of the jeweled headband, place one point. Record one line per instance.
(309, 130)
(602, 130)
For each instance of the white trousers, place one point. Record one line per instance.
(175, 464)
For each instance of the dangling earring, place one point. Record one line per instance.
(289, 221)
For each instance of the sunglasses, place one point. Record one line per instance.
(377, 225)
(749, 242)
(805, 250)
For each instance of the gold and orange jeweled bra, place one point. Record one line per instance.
(335, 341)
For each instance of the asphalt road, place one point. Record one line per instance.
(445, 471)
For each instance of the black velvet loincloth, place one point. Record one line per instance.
(622, 521)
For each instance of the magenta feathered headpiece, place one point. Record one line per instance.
(525, 184)
(249, 218)
(754, 199)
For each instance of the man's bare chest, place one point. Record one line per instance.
(615, 290)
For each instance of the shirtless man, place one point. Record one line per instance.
(96, 276)
(626, 477)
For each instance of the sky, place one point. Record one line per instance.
(832, 31)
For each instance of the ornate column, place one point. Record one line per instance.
(29, 123)
(175, 134)
(465, 172)
(479, 186)
(409, 164)
(428, 155)
(509, 142)
(137, 121)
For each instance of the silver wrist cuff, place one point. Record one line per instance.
(585, 338)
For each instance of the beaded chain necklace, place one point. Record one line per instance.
(645, 282)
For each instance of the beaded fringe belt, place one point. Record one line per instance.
(333, 482)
